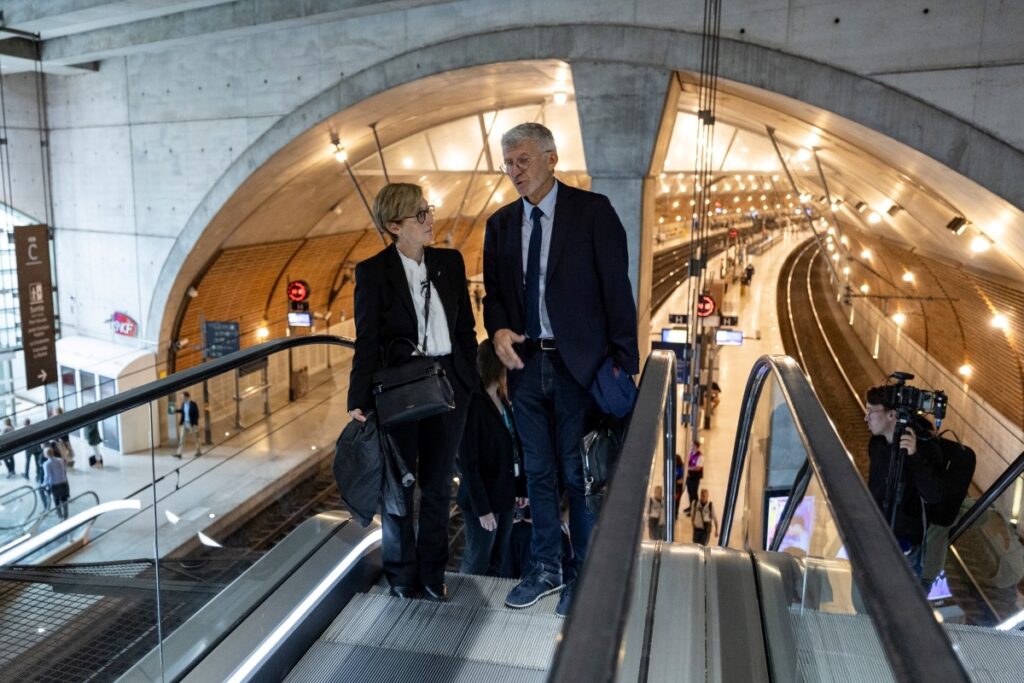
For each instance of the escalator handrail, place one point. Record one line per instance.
(591, 640)
(998, 488)
(915, 645)
(59, 425)
(26, 490)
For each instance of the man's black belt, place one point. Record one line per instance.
(533, 345)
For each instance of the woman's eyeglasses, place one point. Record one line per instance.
(420, 216)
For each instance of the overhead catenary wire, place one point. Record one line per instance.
(702, 189)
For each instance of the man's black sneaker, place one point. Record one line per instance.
(533, 587)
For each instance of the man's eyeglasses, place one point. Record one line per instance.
(876, 411)
(521, 164)
(420, 216)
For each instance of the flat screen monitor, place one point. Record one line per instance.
(729, 337)
(673, 334)
(300, 318)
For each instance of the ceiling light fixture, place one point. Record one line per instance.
(899, 318)
(957, 225)
(980, 244)
(908, 276)
(966, 370)
(560, 98)
(874, 217)
(893, 210)
(860, 207)
(1000, 322)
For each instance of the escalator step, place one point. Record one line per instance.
(452, 630)
(336, 663)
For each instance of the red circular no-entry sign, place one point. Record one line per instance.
(706, 306)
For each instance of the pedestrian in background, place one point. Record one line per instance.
(8, 427)
(188, 423)
(92, 436)
(656, 514)
(55, 481)
(705, 521)
(694, 473)
(33, 453)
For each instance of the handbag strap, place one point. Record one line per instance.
(426, 329)
(426, 309)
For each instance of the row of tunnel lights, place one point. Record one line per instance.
(998, 321)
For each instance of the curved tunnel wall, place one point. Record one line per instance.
(965, 149)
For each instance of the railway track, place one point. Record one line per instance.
(672, 266)
(812, 334)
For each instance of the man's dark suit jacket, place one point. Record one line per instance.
(587, 291)
(384, 312)
(193, 413)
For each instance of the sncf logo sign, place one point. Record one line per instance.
(124, 325)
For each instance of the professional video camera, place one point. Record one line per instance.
(908, 402)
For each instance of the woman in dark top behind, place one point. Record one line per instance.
(394, 291)
(488, 460)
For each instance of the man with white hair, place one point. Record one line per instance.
(559, 306)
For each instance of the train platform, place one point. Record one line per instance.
(755, 305)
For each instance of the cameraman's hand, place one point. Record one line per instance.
(908, 441)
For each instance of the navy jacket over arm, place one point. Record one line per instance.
(587, 291)
(384, 312)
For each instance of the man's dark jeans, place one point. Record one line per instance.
(551, 410)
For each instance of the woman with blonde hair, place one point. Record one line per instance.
(416, 295)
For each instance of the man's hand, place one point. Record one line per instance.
(522, 502)
(488, 521)
(503, 341)
(908, 441)
(357, 415)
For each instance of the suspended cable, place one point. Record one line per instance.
(700, 223)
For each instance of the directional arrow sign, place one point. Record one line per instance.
(42, 376)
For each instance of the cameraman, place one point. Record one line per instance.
(920, 472)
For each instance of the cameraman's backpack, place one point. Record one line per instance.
(958, 463)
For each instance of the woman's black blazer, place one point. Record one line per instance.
(487, 459)
(384, 312)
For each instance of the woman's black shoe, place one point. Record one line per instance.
(407, 592)
(438, 593)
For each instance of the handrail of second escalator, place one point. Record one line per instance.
(986, 500)
(21, 491)
(591, 640)
(915, 645)
(59, 425)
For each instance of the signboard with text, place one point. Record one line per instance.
(220, 338)
(35, 291)
(682, 352)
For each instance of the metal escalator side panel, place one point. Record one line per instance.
(204, 630)
(636, 624)
(735, 634)
(778, 575)
(678, 648)
(271, 640)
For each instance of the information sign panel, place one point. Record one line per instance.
(682, 352)
(35, 291)
(220, 338)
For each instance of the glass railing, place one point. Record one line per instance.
(982, 574)
(138, 546)
(794, 488)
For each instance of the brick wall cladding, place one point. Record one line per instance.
(953, 332)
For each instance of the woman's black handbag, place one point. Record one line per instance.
(416, 389)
